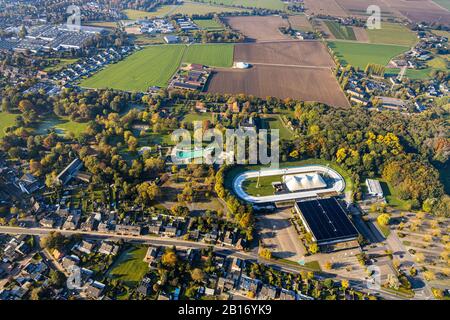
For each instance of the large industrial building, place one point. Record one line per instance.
(328, 223)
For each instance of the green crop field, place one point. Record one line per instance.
(443, 3)
(263, 4)
(340, 31)
(360, 54)
(392, 33)
(152, 66)
(129, 266)
(215, 55)
(155, 65)
(6, 120)
(208, 24)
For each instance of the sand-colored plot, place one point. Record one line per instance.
(307, 84)
(301, 53)
(361, 34)
(325, 7)
(300, 22)
(256, 28)
(421, 10)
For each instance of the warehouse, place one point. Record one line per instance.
(327, 222)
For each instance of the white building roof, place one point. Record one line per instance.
(305, 181)
(374, 187)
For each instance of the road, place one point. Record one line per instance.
(225, 251)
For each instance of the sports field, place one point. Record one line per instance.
(339, 31)
(208, 24)
(155, 65)
(360, 54)
(6, 120)
(263, 4)
(392, 33)
(215, 55)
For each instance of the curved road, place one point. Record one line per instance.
(338, 185)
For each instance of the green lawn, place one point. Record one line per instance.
(195, 116)
(208, 24)
(155, 65)
(437, 63)
(152, 66)
(360, 54)
(392, 33)
(340, 31)
(443, 3)
(60, 65)
(61, 125)
(392, 197)
(215, 55)
(265, 185)
(129, 266)
(264, 4)
(274, 122)
(6, 120)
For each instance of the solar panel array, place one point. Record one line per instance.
(327, 220)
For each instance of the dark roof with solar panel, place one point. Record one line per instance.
(327, 220)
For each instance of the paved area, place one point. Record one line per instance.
(279, 235)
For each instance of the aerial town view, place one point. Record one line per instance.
(231, 150)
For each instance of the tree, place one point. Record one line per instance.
(383, 219)
(429, 275)
(313, 248)
(265, 253)
(54, 240)
(197, 275)
(57, 278)
(169, 258)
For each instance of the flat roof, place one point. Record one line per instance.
(327, 220)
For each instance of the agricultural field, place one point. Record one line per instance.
(155, 65)
(187, 8)
(259, 28)
(330, 7)
(215, 55)
(129, 266)
(339, 31)
(300, 22)
(264, 4)
(392, 33)
(308, 84)
(360, 54)
(208, 24)
(418, 11)
(6, 120)
(152, 66)
(443, 3)
(310, 53)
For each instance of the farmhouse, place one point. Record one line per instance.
(327, 222)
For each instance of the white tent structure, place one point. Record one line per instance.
(305, 181)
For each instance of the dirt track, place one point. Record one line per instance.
(309, 53)
(258, 29)
(308, 84)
